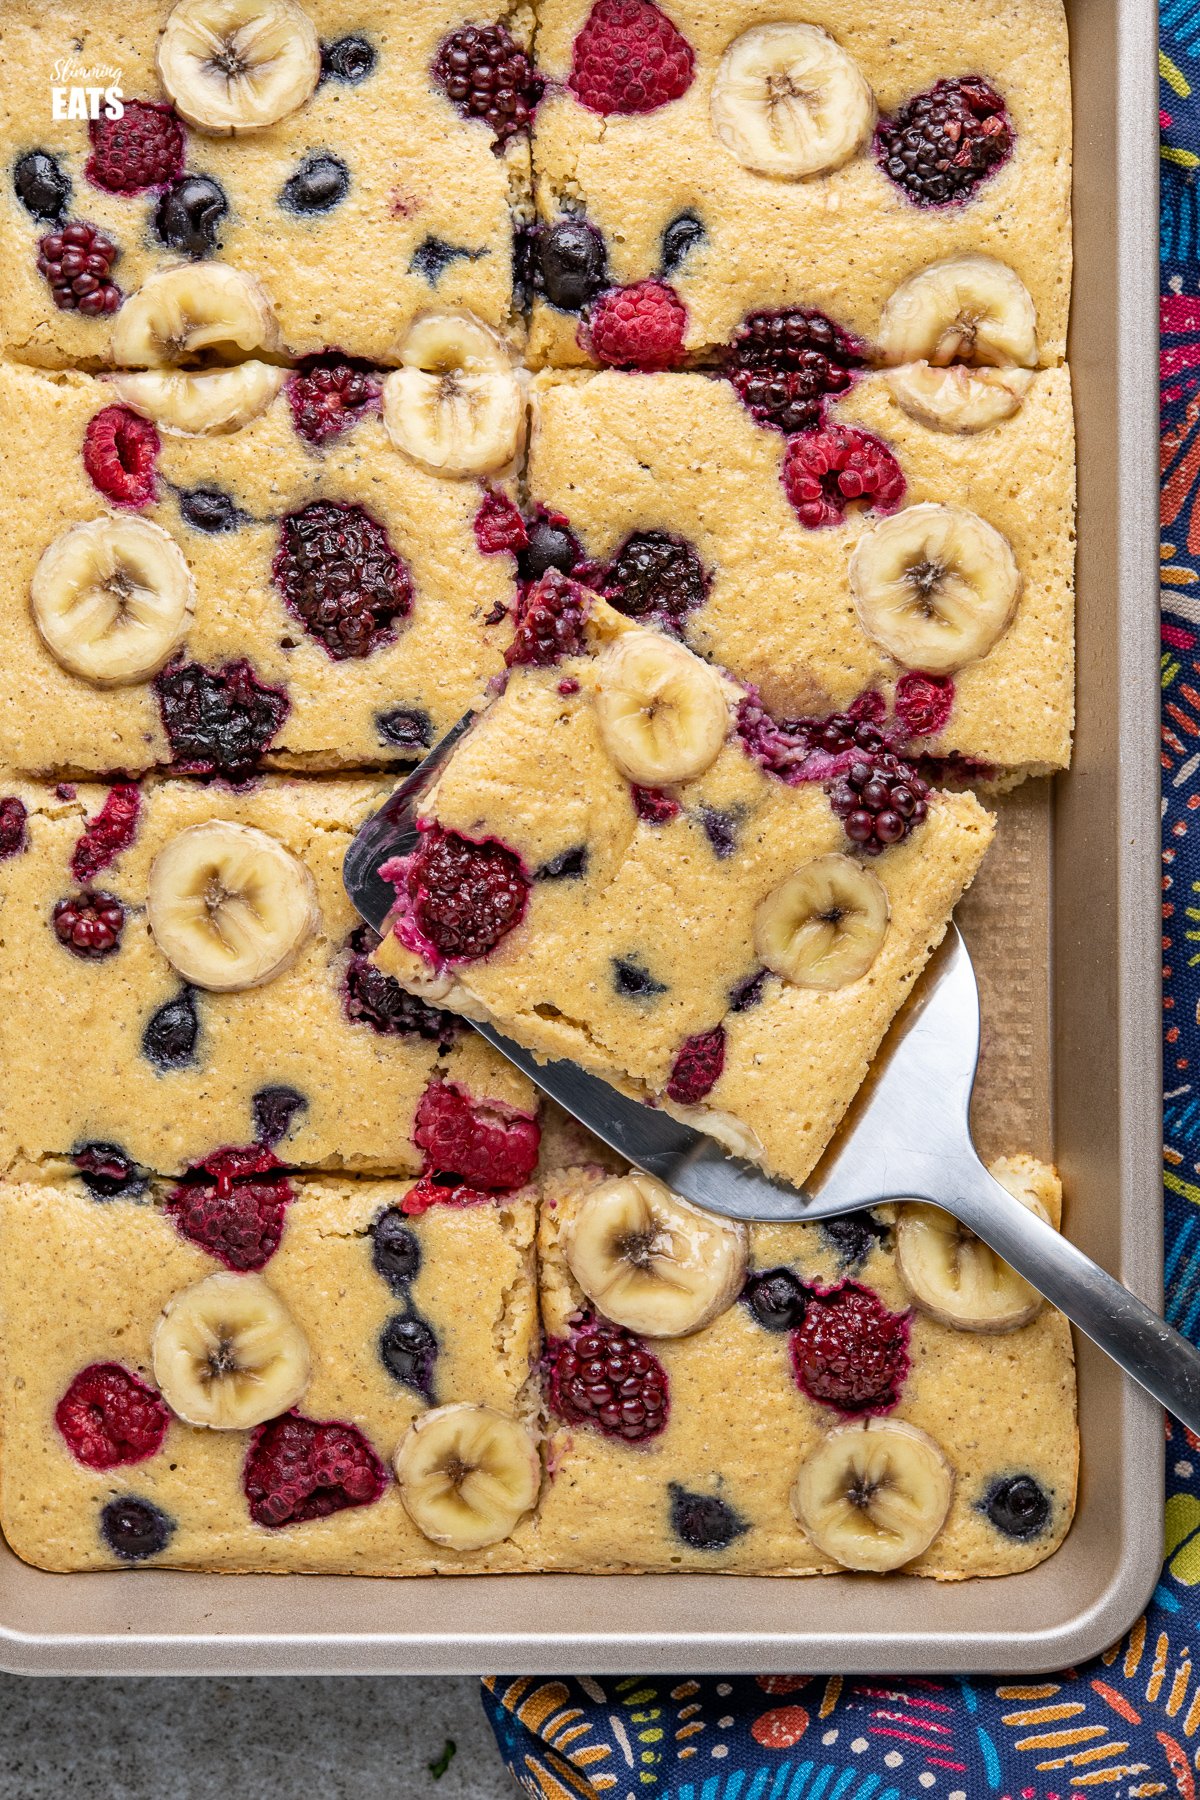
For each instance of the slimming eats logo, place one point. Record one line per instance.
(81, 92)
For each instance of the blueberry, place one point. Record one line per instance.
(679, 238)
(574, 263)
(189, 214)
(274, 1110)
(350, 59)
(42, 187)
(776, 1298)
(550, 546)
(568, 866)
(702, 1521)
(169, 1039)
(106, 1171)
(748, 993)
(629, 978)
(318, 184)
(209, 509)
(408, 1350)
(854, 1239)
(395, 1252)
(720, 828)
(133, 1529)
(433, 256)
(1018, 1507)
(405, 727)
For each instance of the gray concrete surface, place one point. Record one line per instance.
(335, 1739)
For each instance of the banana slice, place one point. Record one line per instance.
(967, 309)
(205, 403)
(112, 600)
(233, 66)
(958, 398)
(651, 1261)
(873, 1496)
(953, 1276)
(935, 586)
(662, 712)
(467, 1475)
(788, 100)
(203, 308)
(455, 405)
(228, 1354)
(823, 927)
(229, 906)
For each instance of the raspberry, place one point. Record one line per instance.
(330, 393)
(112, 830)
(465, 896)
(943, 143)
(340, 577)
(550, 622)
(697, 1067)
(13, 836)
(879, 802)
(824, 471)
(604, 1377)
(923, 703)
(107, 1172)
(299, 1469)
(144, 148)
(499, 526)
(655, 574)
(629, 58)
(119, 449)
(240, 1222)
(369, 997)
(638, 327)
(89, 924)
(849, 1351)
(785, 365)
(488, 76)
(76, 259)
(654, 807)
(218, 721)
(275, 1110)
(235, 1162)
(109, 1417)
(481, 1144)
(427, 1192)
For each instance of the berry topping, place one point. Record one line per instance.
(107, 1172)
(237, 1219)
(482, 1143)
(330, 393)
(112, 830)
(89, 924)
(134, 1529)
(604, 1377)
(879, 802)
(785, 365)
(499, 526)
(702, 1521)
(697, 1067)
(849, 1351)
(487, 75)
(395, 1251)
(13, 834)
(568, 865)
(76, 261)
(572, 263)
(169, 1037)
(629, 58)
(853, 1239)
(143, 148)
(109, 1417)
(42, 186)
(679, 239)
(638, 327)
(340, 577)
(274, 1111)
(369, 997)
(428, 1192)
(1019, 1507)
(465, 896)
(943, 143)
(300, 1469)
(777, 1298)
(827, 470)
(797, 750)
(209, 510)
(654, 807)
(924, 703)
(119, 449)
(188, 217)
(550, 621)
(633, 981)
(349, 60)
(318, 185)
(656, 575)
(408, 1350)
(218, 721)
(405, 728)
(550, 544)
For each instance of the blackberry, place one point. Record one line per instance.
(679, 239)
(656, 575)
(466, 895)
(395, 1251)
(408, 1350)
(319, 184)
(89, 924)
(42, 186)
(487, 75)
(134, 1529)
(14, 837)
(943, 143)
(776, 1297)
(879, 802)
(572, 263)
(209, 510)
(703, 1522)
(329, 393)
(340, 577)
(369, 997)
(785, 365)
(76, 261)
(405, 728)
(188, 217)
(143, 148)
(550, 621)
(550, 544)
(697, 1066)
(170, 1034)
(604, 1377)
(348, 59)
(274, 1111)
(218, 721)
(1019, 1507)
(107, 1172)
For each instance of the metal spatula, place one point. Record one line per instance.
(907, 1135)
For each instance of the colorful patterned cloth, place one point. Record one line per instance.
(1128, 1724)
